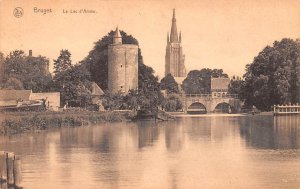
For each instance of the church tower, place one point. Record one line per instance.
(122, 65)
(174, 59)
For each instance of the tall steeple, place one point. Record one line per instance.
(174, 59)
(174, 35)
(117, 37)
(180, 37)
(168, 38)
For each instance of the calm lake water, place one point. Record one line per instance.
(199, 152)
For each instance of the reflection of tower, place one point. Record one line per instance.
(174, 60)
(122, 65)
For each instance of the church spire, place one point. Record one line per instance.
(174, 35)
(168, 38)
(180, 37)
(117, 37)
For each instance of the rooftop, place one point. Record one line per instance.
(6, 95)
(220, 83)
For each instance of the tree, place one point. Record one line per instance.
(75, 86)
(168, 83)
(13, 83)
(235, 86)
(132, 99)
(114, 101)
(37, 77)
(14, 64)
(273, 76)
(199, 81)
(1, 67)
(24, 72)
(172, 103)
(76, 89)
(71, 81)
(63, 62)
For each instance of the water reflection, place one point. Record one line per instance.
(281, 132)
(174, 137)
(204, 152)
(147, 134)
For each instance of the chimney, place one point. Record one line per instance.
(30, 53)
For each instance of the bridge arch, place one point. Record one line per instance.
(211, 101)
(223, 107)
(196, 108)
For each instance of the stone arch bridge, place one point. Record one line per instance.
(208, 102)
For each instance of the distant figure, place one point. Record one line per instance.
(19, 102)
(44, 103)
(253, 110)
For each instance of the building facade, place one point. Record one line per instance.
(219, 86)
(174, 59)
(17, 98)
(122, 65)
(52, 99)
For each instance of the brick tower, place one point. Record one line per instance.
(122, 65)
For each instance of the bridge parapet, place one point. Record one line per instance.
(235, 96)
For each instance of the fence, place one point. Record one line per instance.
(286, 109)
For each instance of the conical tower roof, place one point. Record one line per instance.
(117, 37)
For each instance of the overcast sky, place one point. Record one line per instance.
(223, 34)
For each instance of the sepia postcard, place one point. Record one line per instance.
(148, 94)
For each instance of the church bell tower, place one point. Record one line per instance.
(174, 59)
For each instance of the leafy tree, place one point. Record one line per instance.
(114, 101)
(235, 86)
(63, 62)
(24, 72)
(37, 75)
(273, 76)
(296, 93)
(2, 58)
(133, 99)
(199, 81)
(74, 89)
(172, 103)
(168, 83)
(14, 65)
(73, 82)
(13, 83)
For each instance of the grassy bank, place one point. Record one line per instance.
(20, 122)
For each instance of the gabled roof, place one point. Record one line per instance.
(7, 95)
(96, 90)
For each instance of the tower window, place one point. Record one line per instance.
(121, 65)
